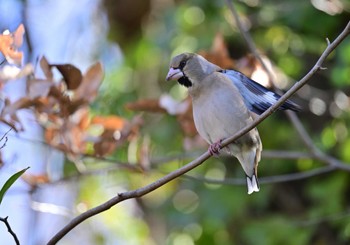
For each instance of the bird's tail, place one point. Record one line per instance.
(252, 184)
(249, 161)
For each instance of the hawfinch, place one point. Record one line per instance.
(222, 104)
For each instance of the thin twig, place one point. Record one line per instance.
(317, 220)
(267, 154)
(294, 119)
(6, 139)
(162, 181)
(9, 229)
(279, 154)
(267, 180)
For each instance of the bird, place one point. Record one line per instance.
(224, 102)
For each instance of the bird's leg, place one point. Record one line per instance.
(215, 148)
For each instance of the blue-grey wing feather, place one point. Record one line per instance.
(256, 97)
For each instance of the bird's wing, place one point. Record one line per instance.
(256, 97)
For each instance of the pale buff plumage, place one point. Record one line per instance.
(219, 110)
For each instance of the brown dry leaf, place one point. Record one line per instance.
(165, 104)
(82, 118)
(49, 135)
(219, 53)
(74, 139)
(88, 88)
(247, 65)
(68, 134)
(35, 179)
(9, 43)
(12, 108)
(72, 106)
(150, 105)
(18, 36)
(106, 144)
(46, 68)
(109, 122)
(38, 88)
(72, 76)
(186, 121)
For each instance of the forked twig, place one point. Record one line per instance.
(9, 229)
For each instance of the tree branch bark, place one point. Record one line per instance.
(162, 181)
(9, 229)
(293, 118)
(267, 180)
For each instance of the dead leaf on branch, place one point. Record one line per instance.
(167, 105)
(62, 108)
(46, 68)
(35, 179)
(107, 143)
(64, 111)
(112, 137)
(88, 88)
(9, 113)
(109, 122)
(71, 75)
(38, 88)
(219, 53)
(68, 135)
(70, 94)
(112, 133)
(149, 105)
(9, 44)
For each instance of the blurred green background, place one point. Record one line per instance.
(292, 34)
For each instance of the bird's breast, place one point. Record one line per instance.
(218, 115)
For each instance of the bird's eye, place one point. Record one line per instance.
(182, 64)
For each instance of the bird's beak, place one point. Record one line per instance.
(174, 74)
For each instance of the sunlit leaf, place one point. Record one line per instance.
(10, 182)
(9, 44)
(109, 122)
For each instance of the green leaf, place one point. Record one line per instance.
(10, 181)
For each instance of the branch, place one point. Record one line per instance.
(162, 181)
(269, 179)
(266, 154)
(6, 139)
(244, 32)
(10, 230)
(279, 154)
(305, 137)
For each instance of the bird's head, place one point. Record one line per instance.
(189, 69)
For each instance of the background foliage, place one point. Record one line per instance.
(291, 35)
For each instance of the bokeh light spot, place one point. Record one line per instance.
(194, 230)
(317, 106)
(186, 201)
(183, 239)
(194, 15)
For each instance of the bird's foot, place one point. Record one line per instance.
(214, 149)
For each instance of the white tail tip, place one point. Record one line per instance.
(252, 183)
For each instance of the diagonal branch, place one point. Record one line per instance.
(162, 181)
(9, 229)
(294, 119)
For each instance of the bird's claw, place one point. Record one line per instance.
(214, 149)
